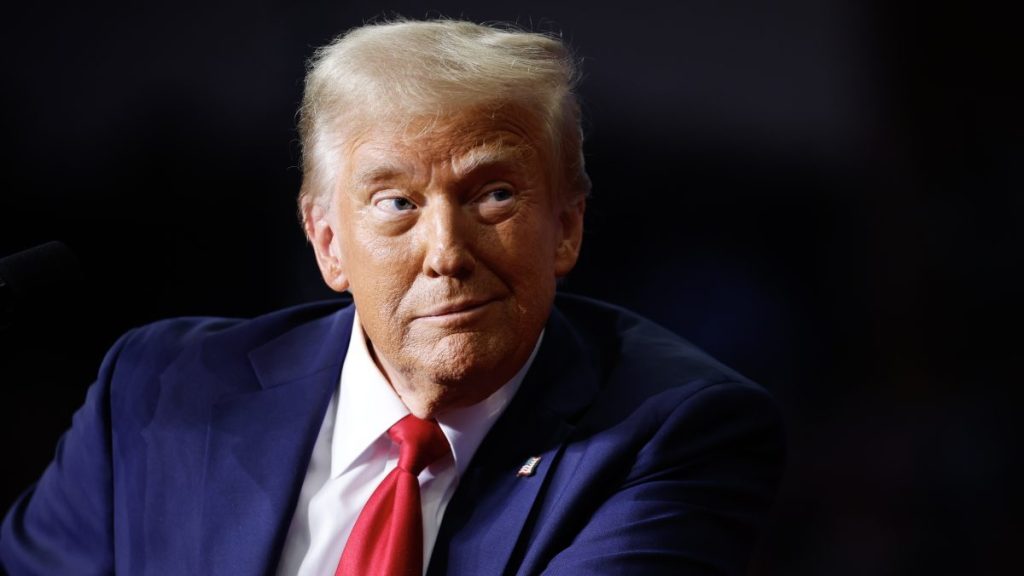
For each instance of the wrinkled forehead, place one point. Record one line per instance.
(462, 141)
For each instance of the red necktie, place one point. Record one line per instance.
(387, 539)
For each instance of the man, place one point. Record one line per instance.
(459, 418)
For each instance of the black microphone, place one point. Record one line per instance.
(36, 281)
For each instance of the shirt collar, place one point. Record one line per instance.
(368, 406)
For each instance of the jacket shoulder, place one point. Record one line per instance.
(158, 344)
(636, 352)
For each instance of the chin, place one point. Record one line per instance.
(463, 370)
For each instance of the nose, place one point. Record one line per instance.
(449, 241)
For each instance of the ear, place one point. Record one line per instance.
(320, 231)
(568, 249)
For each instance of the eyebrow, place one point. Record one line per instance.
(490, 154)
(496, 153)
(378, 172)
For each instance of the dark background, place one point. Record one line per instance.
(825, 194)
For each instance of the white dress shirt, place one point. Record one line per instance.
(353, 454)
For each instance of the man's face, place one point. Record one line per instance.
(450, 236)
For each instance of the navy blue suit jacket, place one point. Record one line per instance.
(189, 452)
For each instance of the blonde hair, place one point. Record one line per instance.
(414, 69)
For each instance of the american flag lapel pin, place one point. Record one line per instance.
(528, 467)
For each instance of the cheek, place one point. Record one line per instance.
(524, 264)
(380, 269)
(367, 249)
(527, 251)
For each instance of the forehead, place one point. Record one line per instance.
(461, 142)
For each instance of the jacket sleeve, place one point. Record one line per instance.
(64, 523)
(696, 496)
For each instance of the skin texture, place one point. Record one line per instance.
(450, 233)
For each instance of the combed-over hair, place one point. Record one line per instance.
(416, 69)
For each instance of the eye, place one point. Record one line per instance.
(395, 204)
(497, 196)
(497, 203)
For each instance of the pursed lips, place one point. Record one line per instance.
(458, 307)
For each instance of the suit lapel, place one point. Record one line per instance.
(259, 444)
(492, 505)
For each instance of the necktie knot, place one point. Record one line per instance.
(387, 539)
(421, 442)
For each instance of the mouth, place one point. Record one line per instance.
(458, 311)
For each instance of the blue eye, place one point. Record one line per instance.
(499, 195)
(497, 204)
(397, 204)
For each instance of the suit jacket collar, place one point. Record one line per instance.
(254, 465)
